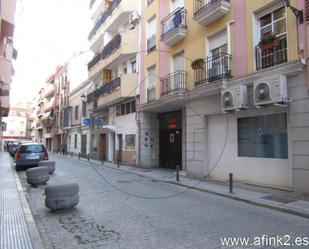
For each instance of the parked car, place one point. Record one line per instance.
(30, 154)
(13, 147)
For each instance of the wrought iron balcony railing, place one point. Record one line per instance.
(201, 6)
(271, 56)
(174, 82)
(176, 19)
(105, 89)
(109, 48)
(149, 2)
(214, 68)
(151, 43)
(151, 93)
(103, 18)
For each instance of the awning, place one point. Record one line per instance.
(109, 128)
(45, 115)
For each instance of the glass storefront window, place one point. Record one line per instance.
(263, 136)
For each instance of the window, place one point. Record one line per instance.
(22, 122)
(133, 66)
(130, 141)
(128, 108)
(76, 112)
(84, 109)
(125, 108)
(272, 47)
(263, 136)
(75, 141)
(118, 110)
(273, 23)
(151, 34)
(124, 68)
(151, 76)
(11, 132)
(21, 133)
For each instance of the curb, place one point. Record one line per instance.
(34, 234)
(233, 196)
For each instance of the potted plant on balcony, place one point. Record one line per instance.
(197, 63)
(268, 41)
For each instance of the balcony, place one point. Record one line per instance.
(174, 28)
(272, 55)
(151, 93)
(49, 105)
(113, 5)
(119, 47)
(208, 11)
(7, 15)
(5, 70)
(215, 68)
(49, 90)
(116, 90)
(174, 83)
(115, 15)
(151, 43)
(4, 105)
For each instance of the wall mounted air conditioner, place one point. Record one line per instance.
(134, 18)
(234, 98)
(271, 90)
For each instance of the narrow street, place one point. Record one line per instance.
(109, 218)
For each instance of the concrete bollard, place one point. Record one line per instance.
(50, 165)
(37, 176)
(61, 196)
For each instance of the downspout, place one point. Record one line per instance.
(137, 118)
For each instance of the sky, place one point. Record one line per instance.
(47, 33)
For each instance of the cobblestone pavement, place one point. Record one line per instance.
(108, 218)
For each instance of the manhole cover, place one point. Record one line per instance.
(282, 200)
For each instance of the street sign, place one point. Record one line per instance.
(86, 122)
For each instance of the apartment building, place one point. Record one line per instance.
(223, 89)
(7, 54)
(80, 127)
(39, 111)
(50, 106)
(18, 124)
(113, 73)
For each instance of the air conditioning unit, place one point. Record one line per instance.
(1, 80)
(271, 90)
(234, 98)
(134, 18)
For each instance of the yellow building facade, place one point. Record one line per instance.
(223, 87)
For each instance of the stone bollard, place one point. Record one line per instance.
(37, 176)
(50, 165)
(61, 196)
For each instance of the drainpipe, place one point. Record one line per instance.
(228, 34)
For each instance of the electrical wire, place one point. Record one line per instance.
(199, 115)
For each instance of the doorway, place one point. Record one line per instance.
(119, 147)
(103, 151)
(84, 146)
(170, 140)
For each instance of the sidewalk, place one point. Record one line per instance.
(273, 201)
(17, 226)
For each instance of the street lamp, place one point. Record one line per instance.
(83, 97)
(298, 13)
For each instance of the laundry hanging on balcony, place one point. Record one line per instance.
(177, 18)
